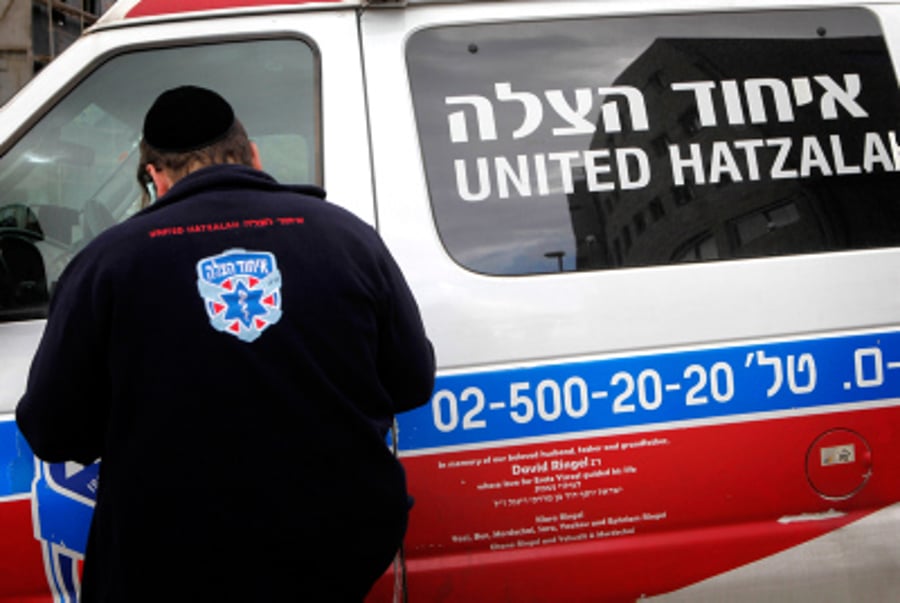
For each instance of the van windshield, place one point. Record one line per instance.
(74, 173)
(657, 140)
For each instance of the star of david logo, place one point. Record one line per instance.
(243, 304)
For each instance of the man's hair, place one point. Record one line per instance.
(234, 147)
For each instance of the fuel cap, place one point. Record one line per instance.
(838, 464)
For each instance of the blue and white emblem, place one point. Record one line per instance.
(241, 292)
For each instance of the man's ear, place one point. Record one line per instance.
(161, 180)
(256, 161)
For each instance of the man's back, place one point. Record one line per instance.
(259, 342)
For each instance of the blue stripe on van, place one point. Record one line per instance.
(16, 460)
(549, 400)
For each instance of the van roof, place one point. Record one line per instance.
(128, 10)
(124, 10)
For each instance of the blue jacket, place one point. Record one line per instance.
(235, 353)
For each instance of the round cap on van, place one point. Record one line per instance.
(187, 118)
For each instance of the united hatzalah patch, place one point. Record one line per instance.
(241, 291)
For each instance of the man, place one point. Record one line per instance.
(235, 353)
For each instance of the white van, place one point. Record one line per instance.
(655, 244)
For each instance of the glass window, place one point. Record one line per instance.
(617, 142)
(74, 173)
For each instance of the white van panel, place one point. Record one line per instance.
(478, 320)
(20, 340)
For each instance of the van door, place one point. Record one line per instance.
(68, 171)
(657, 255)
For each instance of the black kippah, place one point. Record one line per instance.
(187, 118)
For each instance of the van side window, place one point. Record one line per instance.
(605, 143)
(74, 173)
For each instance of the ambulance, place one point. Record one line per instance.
(656, 246)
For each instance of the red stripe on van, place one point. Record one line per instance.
(612, 518)
(22, 575)
(150, 8)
